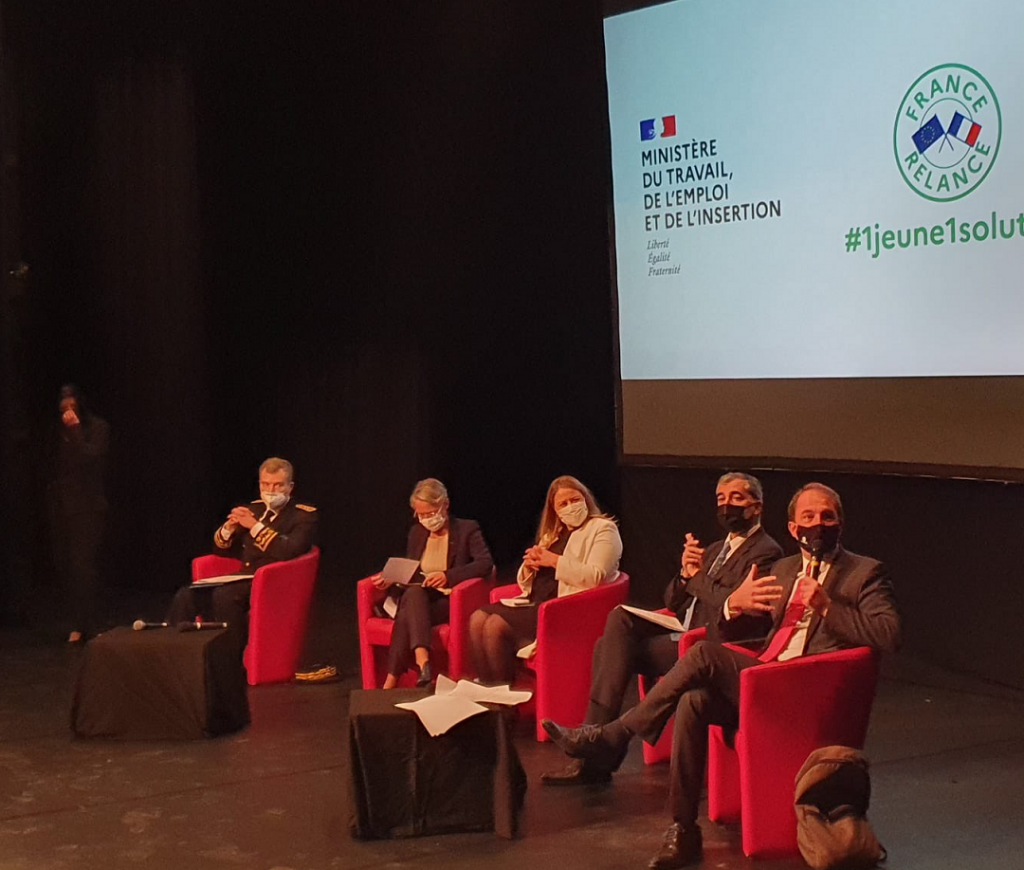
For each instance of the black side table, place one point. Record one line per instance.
(405, 783)
(160, 684)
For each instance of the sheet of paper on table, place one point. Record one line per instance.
(453, 703)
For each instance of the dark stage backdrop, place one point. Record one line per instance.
(371, 239)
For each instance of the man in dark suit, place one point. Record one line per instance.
(814, 604)
(633, 645)
(272, 528)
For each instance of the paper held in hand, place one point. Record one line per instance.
(222, 579)
(402, 571)
(454, 702)
(665, 620)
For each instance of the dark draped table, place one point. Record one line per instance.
(160, 684)
(405, 783)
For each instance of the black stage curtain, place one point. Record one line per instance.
(371, 239)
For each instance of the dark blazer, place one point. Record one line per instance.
(290, 533)
(759, 549)
(863, 611)
(468, 555)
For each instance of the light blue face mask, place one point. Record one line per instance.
(575, 514)
(433, 522)
(274, 500)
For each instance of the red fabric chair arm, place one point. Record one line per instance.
(811, 695)
(689, 638)
(367, 597)
(466, 597)
(213, 565)
(568, 627)
(278, 614)
(511, 590)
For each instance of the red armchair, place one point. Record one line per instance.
(449, 652)
(278, 611)
(567, 628)
(787, 710)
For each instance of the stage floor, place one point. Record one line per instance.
(947, 753)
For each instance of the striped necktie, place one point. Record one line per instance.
(723, 554)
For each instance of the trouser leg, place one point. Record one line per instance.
(188, 602)
(628, 646)
(85, 533)
(705, 665)
(696, 710)
(231, 605)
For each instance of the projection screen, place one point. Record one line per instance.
(818, 214)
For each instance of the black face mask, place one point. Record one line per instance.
(731, 518)
(820, 539)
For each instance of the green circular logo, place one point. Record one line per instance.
(947, 132)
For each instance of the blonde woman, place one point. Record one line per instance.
(577, 547)
(449, 551)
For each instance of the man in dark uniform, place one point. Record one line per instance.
(632, 645)
(271, 528)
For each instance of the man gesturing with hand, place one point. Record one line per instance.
(632, 645)
(824, 598)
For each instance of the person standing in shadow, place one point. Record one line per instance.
(78, 505)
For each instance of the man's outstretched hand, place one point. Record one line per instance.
(755, 594)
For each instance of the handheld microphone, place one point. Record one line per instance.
(814, 566)
(140, 625)
(200, 625)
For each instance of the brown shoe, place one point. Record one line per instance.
(682, 847)
(577, 773)
(604, 746)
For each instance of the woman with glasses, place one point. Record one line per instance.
(449, 551)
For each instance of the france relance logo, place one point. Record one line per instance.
(947, 132)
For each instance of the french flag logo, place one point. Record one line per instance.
(648, 128)
(964, 129)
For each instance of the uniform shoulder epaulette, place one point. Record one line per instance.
(305, 507)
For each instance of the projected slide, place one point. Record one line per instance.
(808, 189)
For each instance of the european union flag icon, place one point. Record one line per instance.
(926, 135)
(646, 130)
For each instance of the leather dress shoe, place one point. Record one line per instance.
(426, 676)
(590, 742)
(682, 847)
(577, 772)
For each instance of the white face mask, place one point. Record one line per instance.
(274, 500)
(433, 522)
(574, 515)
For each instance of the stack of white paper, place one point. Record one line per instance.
(454, 702)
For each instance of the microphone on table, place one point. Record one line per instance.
(141, 625)
(200, 625)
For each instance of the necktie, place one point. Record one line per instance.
(794, 613)
(786, 628)
(723, 554)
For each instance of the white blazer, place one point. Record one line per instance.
(591, 557)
